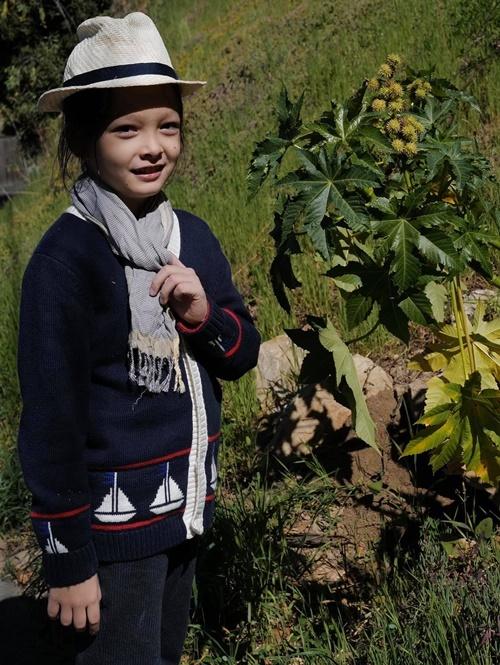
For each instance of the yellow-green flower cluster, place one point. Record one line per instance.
(404, 133)
(379, 105)
(389, 93)
(419, 88)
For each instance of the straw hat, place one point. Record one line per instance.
(116, 53)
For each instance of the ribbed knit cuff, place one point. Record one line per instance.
(70, 567)
(220, 331)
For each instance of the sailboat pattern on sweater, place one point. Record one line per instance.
(169, 495)
(52, 544)
(116, 506)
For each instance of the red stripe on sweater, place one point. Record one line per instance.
(213, 437)
(154, 460)
(66, 513)
(189, 330)
(134, 525)
(237, 344)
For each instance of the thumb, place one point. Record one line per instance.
(173, 260)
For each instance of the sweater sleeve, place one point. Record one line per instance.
(54, 373)
(227, 339)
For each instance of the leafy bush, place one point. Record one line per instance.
(35, 40)
(392, 199)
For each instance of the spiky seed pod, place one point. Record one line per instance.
(411, 121)
(427, 86)
(409, 132)
(384, 92)
(398, 145)
(394, 60)
(385, 71)
(395, 90)
(393, 126)
(378, 105)
(396, 106)
(410, 149)
(373, 84)
(420, 93)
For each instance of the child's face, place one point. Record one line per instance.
(137, 151)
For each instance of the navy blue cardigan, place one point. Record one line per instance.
(115, 472)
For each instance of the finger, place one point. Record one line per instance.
(163, 274)
(94, 618)
(174, 261)
(178, 286)
(66, 617)
(53, 608)
(79, 618)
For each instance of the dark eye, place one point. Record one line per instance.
(124, 129)
(171, 126)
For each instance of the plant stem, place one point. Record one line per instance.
(407, 180)
(465, 322)
(454, 307)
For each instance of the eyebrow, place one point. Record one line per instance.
(134, 117)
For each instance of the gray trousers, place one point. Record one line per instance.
(144, 610)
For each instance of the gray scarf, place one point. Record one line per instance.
(154, 348)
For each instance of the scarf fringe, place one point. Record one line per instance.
(149, 357)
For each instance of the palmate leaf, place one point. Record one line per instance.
(472, 246)
(450, 157)
(268, 153)
(465, 427)
(320, 189)
(347, 383)
(404, 236)
(337, 126)
(376, 288)
(400, 236)
(266, 158)
(444, 354)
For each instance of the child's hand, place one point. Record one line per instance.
(77, 604)
(182, 290)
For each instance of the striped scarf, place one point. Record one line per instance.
(154, 349)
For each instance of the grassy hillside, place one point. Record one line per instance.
(245, 49)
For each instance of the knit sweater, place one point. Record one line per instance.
(116, 472)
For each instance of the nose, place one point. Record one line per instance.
(151, 147)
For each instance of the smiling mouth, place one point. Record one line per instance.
(148, 169)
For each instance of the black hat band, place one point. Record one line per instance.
(121, 71)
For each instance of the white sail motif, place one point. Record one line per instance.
(115, 507)
(168, 497)
(213, 478)
(53, 545)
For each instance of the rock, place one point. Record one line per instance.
(8, 589)
(477, 295)
(363, 368)
(311, 415)
(277, 368)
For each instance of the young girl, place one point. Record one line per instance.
(128, 319)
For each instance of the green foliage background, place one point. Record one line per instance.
(35, 38)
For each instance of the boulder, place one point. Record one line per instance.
(277, 369)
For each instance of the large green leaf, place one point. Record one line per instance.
(465, 427)
(323, 186)
(347, 382)
(403, 237)
(268, 153)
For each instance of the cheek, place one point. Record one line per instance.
(112, 154)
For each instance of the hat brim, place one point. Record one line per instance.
(51, 100)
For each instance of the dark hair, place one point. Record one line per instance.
(85, 116)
